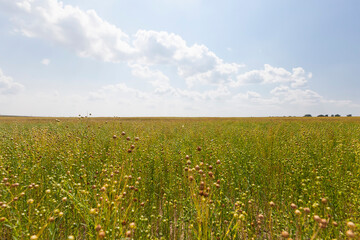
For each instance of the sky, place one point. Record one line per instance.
(186, 58)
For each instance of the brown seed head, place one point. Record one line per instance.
(317, 218)
(350, 234)
(102, 234)
(351, 225)
(285, 234)
(98, 228)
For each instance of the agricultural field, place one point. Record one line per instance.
(180, 178)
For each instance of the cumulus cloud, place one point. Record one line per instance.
(159, 80)
(195, 63)
(82, 31)
(297, 78)
(8, 86)
(303, 96)
(90, 36)
(290, 95)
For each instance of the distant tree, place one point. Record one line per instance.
(321, 115)
(349, 115)
(307, 115)
(332, 115)
(326, 115)
(337, 115)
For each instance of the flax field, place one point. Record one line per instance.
(179, 178)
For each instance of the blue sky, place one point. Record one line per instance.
(179, 58)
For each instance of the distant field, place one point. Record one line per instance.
(179, 178)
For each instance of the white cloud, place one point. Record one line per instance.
(159, 80)
(303, 96)
(8, 86)
(298, 96)
(90, 36)
(82, 31)
(45, 61)
(288, 98)
(196, 63)
(24, 5)
(162, 86)
(270, 74)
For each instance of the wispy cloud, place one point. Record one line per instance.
(8, 86)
